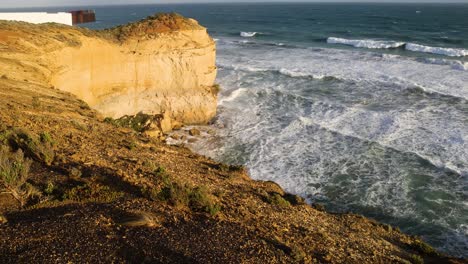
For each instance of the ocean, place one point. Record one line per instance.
(360, 107)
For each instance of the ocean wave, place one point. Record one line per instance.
(447, 166)
(282, 71)
(249, 42)
(410, 87)
(231, 97)
(384, 44)
(454, 64)
(452, 52)
(248, 34)
(366, 43)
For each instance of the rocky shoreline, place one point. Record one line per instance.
(80, 186)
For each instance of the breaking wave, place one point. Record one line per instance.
(437, 50)
(248, 34)
(383, 44)
(366, 43)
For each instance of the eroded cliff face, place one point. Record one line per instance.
(161, 65)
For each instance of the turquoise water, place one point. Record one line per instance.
(361, 107)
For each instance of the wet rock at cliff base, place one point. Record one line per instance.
(194, 132)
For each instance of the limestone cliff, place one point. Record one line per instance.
(161, 65)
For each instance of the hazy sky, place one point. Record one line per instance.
(35, 3)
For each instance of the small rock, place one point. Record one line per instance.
(175, 136)
(154, 133)
(194, 132)
(192, 140)
(3, 219)
(176, 125)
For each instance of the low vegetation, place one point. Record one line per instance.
(92, 192)
(277, 199)
(177, 194)
(139, 122)
(423, 247)
(38, 149)
(14, 173)
(416, 259)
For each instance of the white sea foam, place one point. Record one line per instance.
(366, 43)
(248, 34)
(452, 52)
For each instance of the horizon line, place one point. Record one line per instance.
(245, 2)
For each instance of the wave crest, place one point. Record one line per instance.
(366, 43)
(452, 52)
(383, 44)
(248, 34)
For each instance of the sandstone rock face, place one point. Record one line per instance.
(161, 65)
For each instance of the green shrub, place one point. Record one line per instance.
(198, 199)
(160, 171)
(150, 165)
(14, 172)
(50, 188)
(33, 148)
(423, 247)
(75, 173)
(110, 120)
(175, 193)
(130, 145)
(416, 259)
(277, 199)
(45, 137)
(138, 122)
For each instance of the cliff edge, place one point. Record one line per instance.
(164, 64)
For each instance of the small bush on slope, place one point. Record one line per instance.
(14, 172)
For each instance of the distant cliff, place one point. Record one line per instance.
(164, 64)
